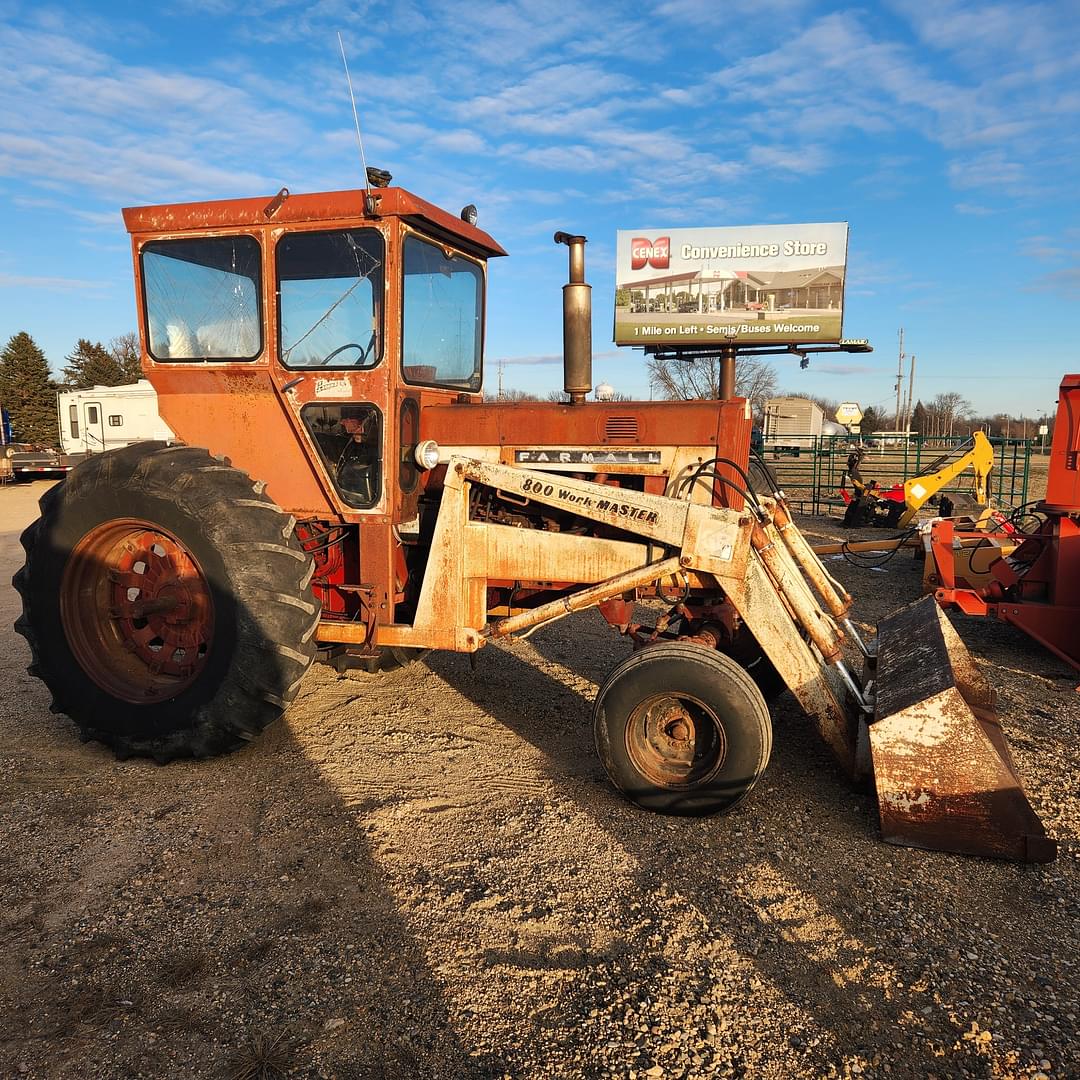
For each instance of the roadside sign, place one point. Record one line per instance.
(759, 285)
(848, 412)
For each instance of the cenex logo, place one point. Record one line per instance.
(654, 253)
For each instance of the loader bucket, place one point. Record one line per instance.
(944, 776)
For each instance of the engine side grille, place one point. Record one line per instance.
(621, 428)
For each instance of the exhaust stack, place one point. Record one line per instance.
(577, 322)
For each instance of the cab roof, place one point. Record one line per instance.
(328, 206)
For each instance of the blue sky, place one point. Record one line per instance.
(947, 134)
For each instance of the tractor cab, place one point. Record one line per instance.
(313, 328)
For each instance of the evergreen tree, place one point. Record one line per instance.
(125, 351)
(871, 421)
(27, 391)
(919, 418)
(92, 365)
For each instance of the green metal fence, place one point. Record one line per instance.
(810, 468)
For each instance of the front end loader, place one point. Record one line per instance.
(344, 490)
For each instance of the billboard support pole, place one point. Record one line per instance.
(727, 372)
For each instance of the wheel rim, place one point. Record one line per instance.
(137, 611)
(675, 740)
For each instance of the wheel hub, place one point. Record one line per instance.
(137, 610)
(675, 740)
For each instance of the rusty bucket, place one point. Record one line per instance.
(944, 776)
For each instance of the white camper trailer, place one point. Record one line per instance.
(792, 422)
(90, 421)
(106, 417)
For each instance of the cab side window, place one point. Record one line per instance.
(202, 298)
(349, 439)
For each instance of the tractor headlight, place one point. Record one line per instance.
(427, 454)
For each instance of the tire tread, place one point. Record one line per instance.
(274, 629)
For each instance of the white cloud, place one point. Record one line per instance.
(52, 284)
(528, 361)
(1038, 37)
(796, 159)
(1064, 283)
(849, 78)
(1044, 248)
(990, 170)
(844, 369)
(545, 360)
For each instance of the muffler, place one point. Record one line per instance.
(944, 776)
(577, 323)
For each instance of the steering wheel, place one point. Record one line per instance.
(364, 353)
(341, 348)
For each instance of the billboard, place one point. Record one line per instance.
(760, 284)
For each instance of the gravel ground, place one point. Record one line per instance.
(425, 874)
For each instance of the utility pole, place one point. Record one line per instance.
(910, 394)
(899, 377)
(501, 365)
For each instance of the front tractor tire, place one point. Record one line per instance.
(166, 602)
(682, 729)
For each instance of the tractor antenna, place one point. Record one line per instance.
(369, 201)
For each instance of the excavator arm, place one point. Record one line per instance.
(979, 458)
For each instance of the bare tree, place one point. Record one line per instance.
(561, 397)
(517, 395)
(945, 411)
(125, 351)
(698, 380)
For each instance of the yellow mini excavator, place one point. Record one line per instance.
(899, 505)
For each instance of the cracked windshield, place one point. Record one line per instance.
(441, 336)
(202, 298)
(330, 288)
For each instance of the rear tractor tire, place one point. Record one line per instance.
(682, 729)
(166, 601)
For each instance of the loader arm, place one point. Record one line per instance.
(755, 560)
(705, 550)
(920, 489)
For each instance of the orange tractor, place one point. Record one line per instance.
(343, 489)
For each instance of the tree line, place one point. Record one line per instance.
(28, 389)
(946, 415)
